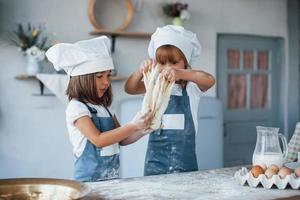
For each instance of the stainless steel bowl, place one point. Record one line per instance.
(41, 189)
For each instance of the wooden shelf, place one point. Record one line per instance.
(26, 77)
(115, 34)
(122, 33)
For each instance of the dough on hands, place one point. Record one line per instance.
(157, 96)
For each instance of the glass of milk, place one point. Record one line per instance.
(267, 150)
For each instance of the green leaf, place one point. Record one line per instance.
(30, 36)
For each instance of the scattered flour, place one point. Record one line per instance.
(209, 185)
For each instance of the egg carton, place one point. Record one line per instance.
(244, 176)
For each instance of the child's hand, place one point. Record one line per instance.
(147, 65)
(142, 122)
(170, 74)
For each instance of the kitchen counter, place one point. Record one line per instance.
(208, 185)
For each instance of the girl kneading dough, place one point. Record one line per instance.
(174, 51)
(93, 130)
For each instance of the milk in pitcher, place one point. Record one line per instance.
(268, 159)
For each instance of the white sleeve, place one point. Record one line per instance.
(75, 110)
(193, 89)
(195, 94)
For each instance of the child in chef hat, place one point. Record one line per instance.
(94, 132)
(175, 51)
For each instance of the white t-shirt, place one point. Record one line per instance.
(74, 111)
(194, 94)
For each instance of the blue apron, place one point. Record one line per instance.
(171, 151)
(91, 166)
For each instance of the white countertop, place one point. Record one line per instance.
(208, 185)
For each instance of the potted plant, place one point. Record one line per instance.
(33, 43)
(178, 11)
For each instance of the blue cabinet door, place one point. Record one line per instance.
(248, 84)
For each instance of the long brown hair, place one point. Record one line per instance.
(168, 53)
(83, 88)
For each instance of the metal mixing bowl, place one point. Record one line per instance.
(41, 189)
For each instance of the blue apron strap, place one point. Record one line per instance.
(92, 110)
(184, 92)
(108, 111)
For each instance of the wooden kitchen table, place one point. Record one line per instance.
(206, 185)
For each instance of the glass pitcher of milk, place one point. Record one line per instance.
(267, 150)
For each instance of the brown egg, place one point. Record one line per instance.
(275, 168)
(297, 171)
(270, 172)
(284, 171)
(257, 170)
(263, 166)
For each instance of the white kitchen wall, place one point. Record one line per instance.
(33, 136)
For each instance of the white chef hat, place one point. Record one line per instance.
(83, 57)
(183, 39)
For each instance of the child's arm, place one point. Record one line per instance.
(134, 84)
(203, 79)
(88, 128)
(132, 138)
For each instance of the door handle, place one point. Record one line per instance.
(224, 130)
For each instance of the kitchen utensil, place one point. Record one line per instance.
(41, 189)
(267, 150)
